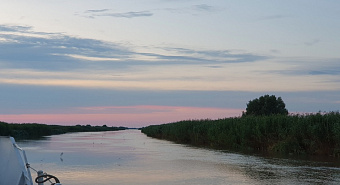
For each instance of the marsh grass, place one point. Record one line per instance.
(312, 134)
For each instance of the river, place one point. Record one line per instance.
(129, 157)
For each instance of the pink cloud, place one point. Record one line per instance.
(130, 116)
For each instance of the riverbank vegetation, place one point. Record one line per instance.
(312, 134)
(34, 130)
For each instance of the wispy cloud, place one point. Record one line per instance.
(307, 67)
(219, 56)
(55, 59)
(312, 42)
(96, 11)
(194, 9)
(127, 14)
(14, 28)
(204, 7)
(24, 48)
(111, 13)
(325, 72)
(273, 17)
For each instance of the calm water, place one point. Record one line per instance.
(129, 157)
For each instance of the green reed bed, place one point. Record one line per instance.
(315, 134)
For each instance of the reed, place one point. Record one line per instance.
(313, 134)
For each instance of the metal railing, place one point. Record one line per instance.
(41, 176)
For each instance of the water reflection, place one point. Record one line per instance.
(129, 157)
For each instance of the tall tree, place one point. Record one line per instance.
(266, 105)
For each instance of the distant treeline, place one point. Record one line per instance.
(34, 130)
(312, 134)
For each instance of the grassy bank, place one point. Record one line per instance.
(34, 130)
(313, 134)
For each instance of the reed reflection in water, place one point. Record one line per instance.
(129, 157)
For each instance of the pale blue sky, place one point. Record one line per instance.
(71, 57)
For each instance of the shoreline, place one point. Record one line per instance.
(22, 131)
(310, 134)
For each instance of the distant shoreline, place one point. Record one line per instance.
(21, 131)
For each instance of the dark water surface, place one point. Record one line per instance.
(129, 157)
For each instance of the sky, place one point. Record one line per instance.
(142, 62)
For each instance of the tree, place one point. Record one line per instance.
(266, 105)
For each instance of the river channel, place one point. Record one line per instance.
(129, 157)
